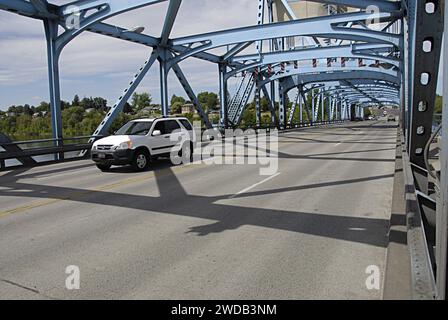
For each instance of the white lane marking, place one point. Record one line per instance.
(254, 185)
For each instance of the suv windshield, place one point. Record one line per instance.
(135, 128)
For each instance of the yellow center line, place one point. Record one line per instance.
(106, 187)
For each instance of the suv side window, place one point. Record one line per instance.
(186, 124)
(160, 125)
(171, 125)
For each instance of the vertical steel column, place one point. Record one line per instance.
(282, 106)
(322, 99)
(403, 85)
(223, 95)
(164, 82)
(312, 107)
(273, 95)
(426, 40)
(271, 49)
(301, 105)
(51, 34)
(257, 101)
(336, 109)
(341, 106)
(317, 107)
(260, 21)
(342, 109)
(259, 48)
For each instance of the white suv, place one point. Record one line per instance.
(139, 141)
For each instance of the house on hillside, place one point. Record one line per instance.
(188, 108)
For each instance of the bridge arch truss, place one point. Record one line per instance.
(351, 61)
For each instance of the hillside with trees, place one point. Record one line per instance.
(81, 117)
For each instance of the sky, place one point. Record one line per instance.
(96, 65)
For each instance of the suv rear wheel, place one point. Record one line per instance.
(141, 160)
(103, 167)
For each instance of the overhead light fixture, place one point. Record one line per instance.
(135, 30)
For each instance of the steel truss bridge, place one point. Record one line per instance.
(385, 56)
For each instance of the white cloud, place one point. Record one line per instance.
(94, 65)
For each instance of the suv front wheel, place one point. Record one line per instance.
(141, 160)
(186, 153)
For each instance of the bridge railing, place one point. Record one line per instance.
(288, 126)
(43, 151)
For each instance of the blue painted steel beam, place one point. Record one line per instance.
(51, 29)
(105, 10)
(118, 32)
(265, 59)
(358, 82)
(173, 9)
(41, 6)
(321, 27)
(383, 5)
(26, 8)
(127, 93)
(190, 93)
(121, 33)
(318, 75)
(235, 50)
(347, 51)
(350, 91)
(336, 91)
(362, 96)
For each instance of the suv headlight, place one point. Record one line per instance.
(94, 148)
(124, 146)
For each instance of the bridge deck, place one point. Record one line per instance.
(186, 231)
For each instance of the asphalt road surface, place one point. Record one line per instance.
(201, 231)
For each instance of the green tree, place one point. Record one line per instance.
(86, 103)
(127, 108)
(76, 101)
(176, 99)
(439, 104)
(140, 101)
(100, 103)
(208, 100)
(43, 107)
(176, 107)
(176, 104)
